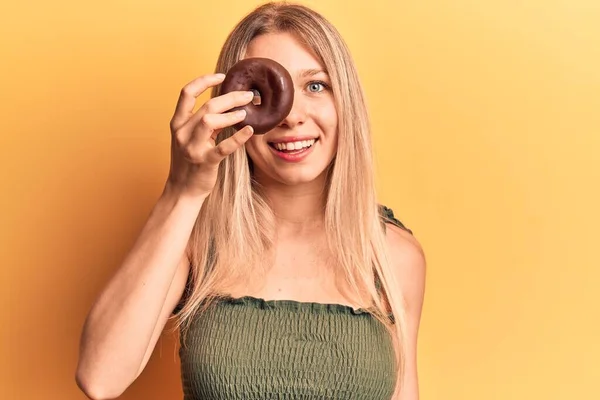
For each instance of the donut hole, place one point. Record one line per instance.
(256, 100)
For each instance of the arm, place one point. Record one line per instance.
(128, 317)
(409, 263)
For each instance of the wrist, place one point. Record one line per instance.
(176, 194)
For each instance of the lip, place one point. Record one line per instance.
(292, 157)
(291, 139)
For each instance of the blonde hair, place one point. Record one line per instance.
(235, 227)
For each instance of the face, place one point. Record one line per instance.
(313, 117)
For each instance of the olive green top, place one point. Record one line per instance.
(250, 348)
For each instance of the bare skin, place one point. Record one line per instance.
(128, 317)
(125, 322)
(302, 269)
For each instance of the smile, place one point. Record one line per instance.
(290, 147)
(293, 151)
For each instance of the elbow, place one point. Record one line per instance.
(95, 389)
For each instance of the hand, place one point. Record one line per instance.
(195, 156)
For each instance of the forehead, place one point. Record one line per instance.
(285, 49)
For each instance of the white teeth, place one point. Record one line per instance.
(294, 145)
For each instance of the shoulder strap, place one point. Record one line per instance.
(387, 215)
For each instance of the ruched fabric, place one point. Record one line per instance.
(250, 348)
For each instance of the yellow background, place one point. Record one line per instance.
(487, 131)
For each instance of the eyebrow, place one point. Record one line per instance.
(312, 72)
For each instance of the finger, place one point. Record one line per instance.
(187, 98)
(227, 101)
(210, 123)
(229, 145)
(208, 127)
(221, 104)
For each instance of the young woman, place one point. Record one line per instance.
(287, 278)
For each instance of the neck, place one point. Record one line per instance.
(298, 209)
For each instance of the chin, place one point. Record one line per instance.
(313, 170)
(294, 178)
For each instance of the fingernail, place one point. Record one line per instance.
(220, 76)
(240, 113)
(249, 95)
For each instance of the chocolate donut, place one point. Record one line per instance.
(274, 86)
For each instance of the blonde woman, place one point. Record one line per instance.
(287, 279)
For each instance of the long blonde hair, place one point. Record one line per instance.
(235, 227)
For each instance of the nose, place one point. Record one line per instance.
(298, 114)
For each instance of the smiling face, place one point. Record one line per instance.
(312, 122)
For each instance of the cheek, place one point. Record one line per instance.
(328, 118)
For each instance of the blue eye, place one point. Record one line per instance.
(316, 87)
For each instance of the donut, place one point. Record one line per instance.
(273, 86)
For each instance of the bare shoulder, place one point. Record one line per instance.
(408, 262)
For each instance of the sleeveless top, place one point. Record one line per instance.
(250, 348)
